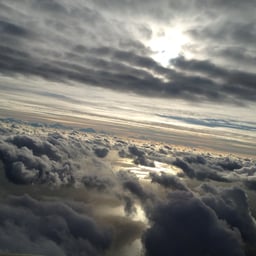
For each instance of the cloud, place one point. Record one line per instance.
(221, 169)
(36, 146)
(184, 225)
(53, 159)
(131, 183)
(13, 29)
(247, 171)
(60, 159)
(243, 81)
(185, 167)
(250, 183)
(229, 164)
(122, 206)
(107, 46)
(232, 206)
(50, 228)
(238, 32)
(101, 152)
(94, 181)
(168, 181)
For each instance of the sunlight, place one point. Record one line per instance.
(167, 45)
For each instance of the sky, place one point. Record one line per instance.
(127, 127)
(186, 65)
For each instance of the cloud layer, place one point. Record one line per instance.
(107, 46)
(89, 195)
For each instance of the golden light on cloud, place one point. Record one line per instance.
(167, 44)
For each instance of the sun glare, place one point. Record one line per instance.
(167, 45)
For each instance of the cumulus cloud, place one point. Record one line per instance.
(203, 167)
(250, 183)
(168, 181)
(50, 228)
(101, 152)
(184, 225)
(97, 182)
(123, 202)
(232, 206)
(132, 184)
(53, 159)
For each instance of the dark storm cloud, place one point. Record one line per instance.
(184, 225)
(95, 45)
(49, 228)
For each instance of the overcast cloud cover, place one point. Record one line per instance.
(107, 44)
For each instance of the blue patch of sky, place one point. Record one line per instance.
(215, 123)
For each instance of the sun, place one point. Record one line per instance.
(167, 45)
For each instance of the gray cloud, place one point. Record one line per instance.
(104, 45)
(94, 181)
(10, 29)
(203, 167)
(250, 183)
(232, 206)
(184, 225)
(101, 152)
(168, 181)
(214, 218)
(238, 32)
(131, 183)
(53, 159)
(57, 159)
(50, 228)
(243, 81)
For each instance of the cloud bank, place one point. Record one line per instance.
(80, 202)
